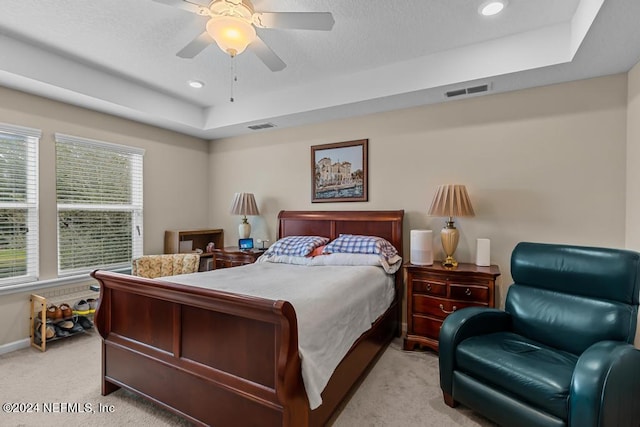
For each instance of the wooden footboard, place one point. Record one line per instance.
(215, 358)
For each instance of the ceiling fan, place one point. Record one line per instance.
(233, 26)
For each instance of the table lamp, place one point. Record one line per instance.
(244, 204)
(450, 201)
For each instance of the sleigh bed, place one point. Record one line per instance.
(247, 372)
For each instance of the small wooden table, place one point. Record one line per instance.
(434, 292)
(232, 256)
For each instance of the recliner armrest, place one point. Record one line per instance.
(605, 386)
(462, 324)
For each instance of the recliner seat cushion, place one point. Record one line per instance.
(520, 366)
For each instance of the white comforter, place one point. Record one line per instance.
(334, 306)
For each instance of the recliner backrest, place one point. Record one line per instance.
(569, 297)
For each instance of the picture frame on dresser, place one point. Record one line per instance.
(339, 172)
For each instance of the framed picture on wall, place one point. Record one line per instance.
(339, 172)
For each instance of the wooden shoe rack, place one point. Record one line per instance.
(38, 314)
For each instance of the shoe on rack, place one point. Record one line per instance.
(61, 332)
(66, 310)
(92, 304)
(85, 322)
(81, 308)
(50, 331)
(77, 327)
(54, 312)
(65, 324)
(37, 337)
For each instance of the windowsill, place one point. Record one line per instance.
(52, 283)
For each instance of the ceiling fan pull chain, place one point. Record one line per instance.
(234, 77)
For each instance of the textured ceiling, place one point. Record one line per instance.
(118, 56)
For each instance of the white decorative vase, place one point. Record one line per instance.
(244, 230)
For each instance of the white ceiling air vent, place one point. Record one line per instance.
(261, 126)
(468, 91)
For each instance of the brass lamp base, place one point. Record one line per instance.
(449, 262)
(449, 236)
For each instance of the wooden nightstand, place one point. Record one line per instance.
(434, 292)
(232, 256)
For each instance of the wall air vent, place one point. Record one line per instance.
(467, 91)
(261, 126)
(456, 92)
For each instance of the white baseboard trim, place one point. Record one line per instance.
(13, 346)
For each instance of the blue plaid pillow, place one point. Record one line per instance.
(296, 245)
(354, 244)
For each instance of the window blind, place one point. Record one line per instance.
(99, 199)
(18, 204)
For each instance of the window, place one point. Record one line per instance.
(99, 195)
(18, 204)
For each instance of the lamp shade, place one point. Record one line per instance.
(232, 34)
(451, 200)
(244, 204)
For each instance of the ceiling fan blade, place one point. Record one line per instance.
(322, 21)
(196, 46)
(264, 52)
(186, 5)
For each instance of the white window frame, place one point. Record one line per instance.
(136, 206)
(32, 138)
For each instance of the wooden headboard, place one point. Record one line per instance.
(385, 224)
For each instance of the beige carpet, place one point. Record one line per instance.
(401, 390)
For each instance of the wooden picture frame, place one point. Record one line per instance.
(339, 172)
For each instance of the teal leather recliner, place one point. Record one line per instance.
(560, 354)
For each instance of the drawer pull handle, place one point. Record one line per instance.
(448, 312)
(467, 292)
(428, 286)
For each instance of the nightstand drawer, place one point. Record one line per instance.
(438, 307)
(469, 292)
(430, 287)
(426, 326)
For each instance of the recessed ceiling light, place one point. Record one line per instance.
(196, 84)
(492, 7)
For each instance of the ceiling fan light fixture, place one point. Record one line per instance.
(491, 8)
(232, 34)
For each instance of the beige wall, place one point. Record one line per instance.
(175, 181)
(545, 164)
(633, 160)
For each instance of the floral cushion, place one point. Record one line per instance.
(187, 263)
(152, 266)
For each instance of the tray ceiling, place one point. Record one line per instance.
(119, 57)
